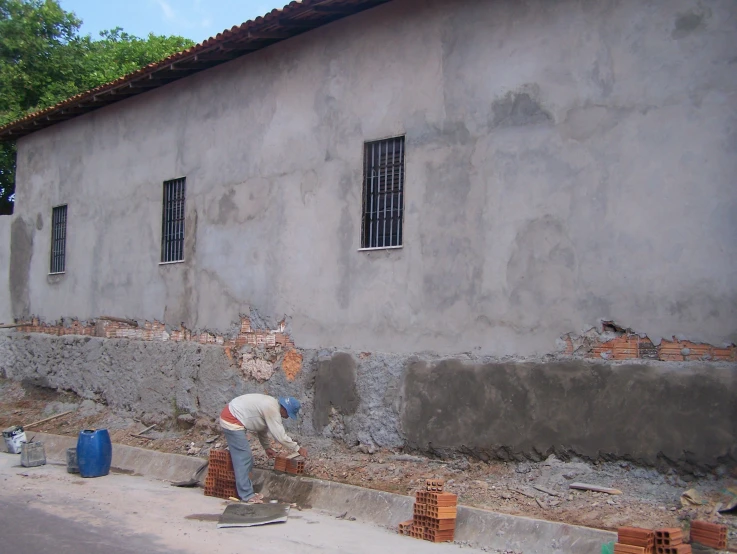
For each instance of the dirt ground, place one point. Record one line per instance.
(649, 498)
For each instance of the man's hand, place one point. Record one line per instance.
(271, 453)
(303, 452)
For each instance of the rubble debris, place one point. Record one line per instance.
(546, 490)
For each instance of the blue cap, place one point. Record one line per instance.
(291, 405)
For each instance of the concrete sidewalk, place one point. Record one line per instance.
(479, 528)
(47, 510)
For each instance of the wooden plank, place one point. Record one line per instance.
(47, 419)
(595, 488)
(142, 437)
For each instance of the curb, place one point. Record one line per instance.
(478, 528)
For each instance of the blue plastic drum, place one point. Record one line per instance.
(94, 452)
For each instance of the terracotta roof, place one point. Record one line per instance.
(280, 24)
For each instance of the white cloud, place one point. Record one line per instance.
(167, 9)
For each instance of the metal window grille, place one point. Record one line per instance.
(383, 193)
(172, 226)
(58, 239)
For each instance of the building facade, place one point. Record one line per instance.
(541, 168)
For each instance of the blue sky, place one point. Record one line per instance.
(194, 19)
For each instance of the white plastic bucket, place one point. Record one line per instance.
(14, 439)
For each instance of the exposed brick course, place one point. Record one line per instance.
(157, 331)
(631, 346)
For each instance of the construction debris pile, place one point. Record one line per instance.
(671, 540)
(435, 513)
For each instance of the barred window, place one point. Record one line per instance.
(383, 193)
(58, 239)
(172, 226)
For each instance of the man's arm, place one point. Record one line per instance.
(263, 438)
(276, 428)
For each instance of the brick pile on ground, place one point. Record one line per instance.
(712, 535)
(434, 514)
(670, 540)
(220, 480)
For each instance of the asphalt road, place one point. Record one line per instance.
(45, 510)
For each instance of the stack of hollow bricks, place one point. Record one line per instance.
(295, 466)
(156, 331)
(712, 535)
(435, 513)
(220, 480)
(633, 347)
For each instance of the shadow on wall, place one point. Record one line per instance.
(683, 415)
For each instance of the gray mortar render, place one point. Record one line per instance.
(565, 162)
(666, 414)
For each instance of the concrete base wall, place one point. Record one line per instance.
(680, 414)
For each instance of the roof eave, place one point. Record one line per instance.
(292, 20)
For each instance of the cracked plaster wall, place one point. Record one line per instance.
(565, 162)
(6, 311)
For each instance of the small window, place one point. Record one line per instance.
(58, 239)
(383, 193)
(172, 226)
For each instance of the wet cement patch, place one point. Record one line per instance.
(642, 412)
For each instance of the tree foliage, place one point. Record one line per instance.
(44, 60)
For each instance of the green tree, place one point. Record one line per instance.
(44, 60)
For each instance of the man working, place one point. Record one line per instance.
(260, 414)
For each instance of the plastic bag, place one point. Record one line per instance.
(607, 548)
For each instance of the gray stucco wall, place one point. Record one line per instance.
(565, 162)
(5, 307)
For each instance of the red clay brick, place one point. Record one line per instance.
(405, 527)
(699, 525)
(620, 548)
(442, 499)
